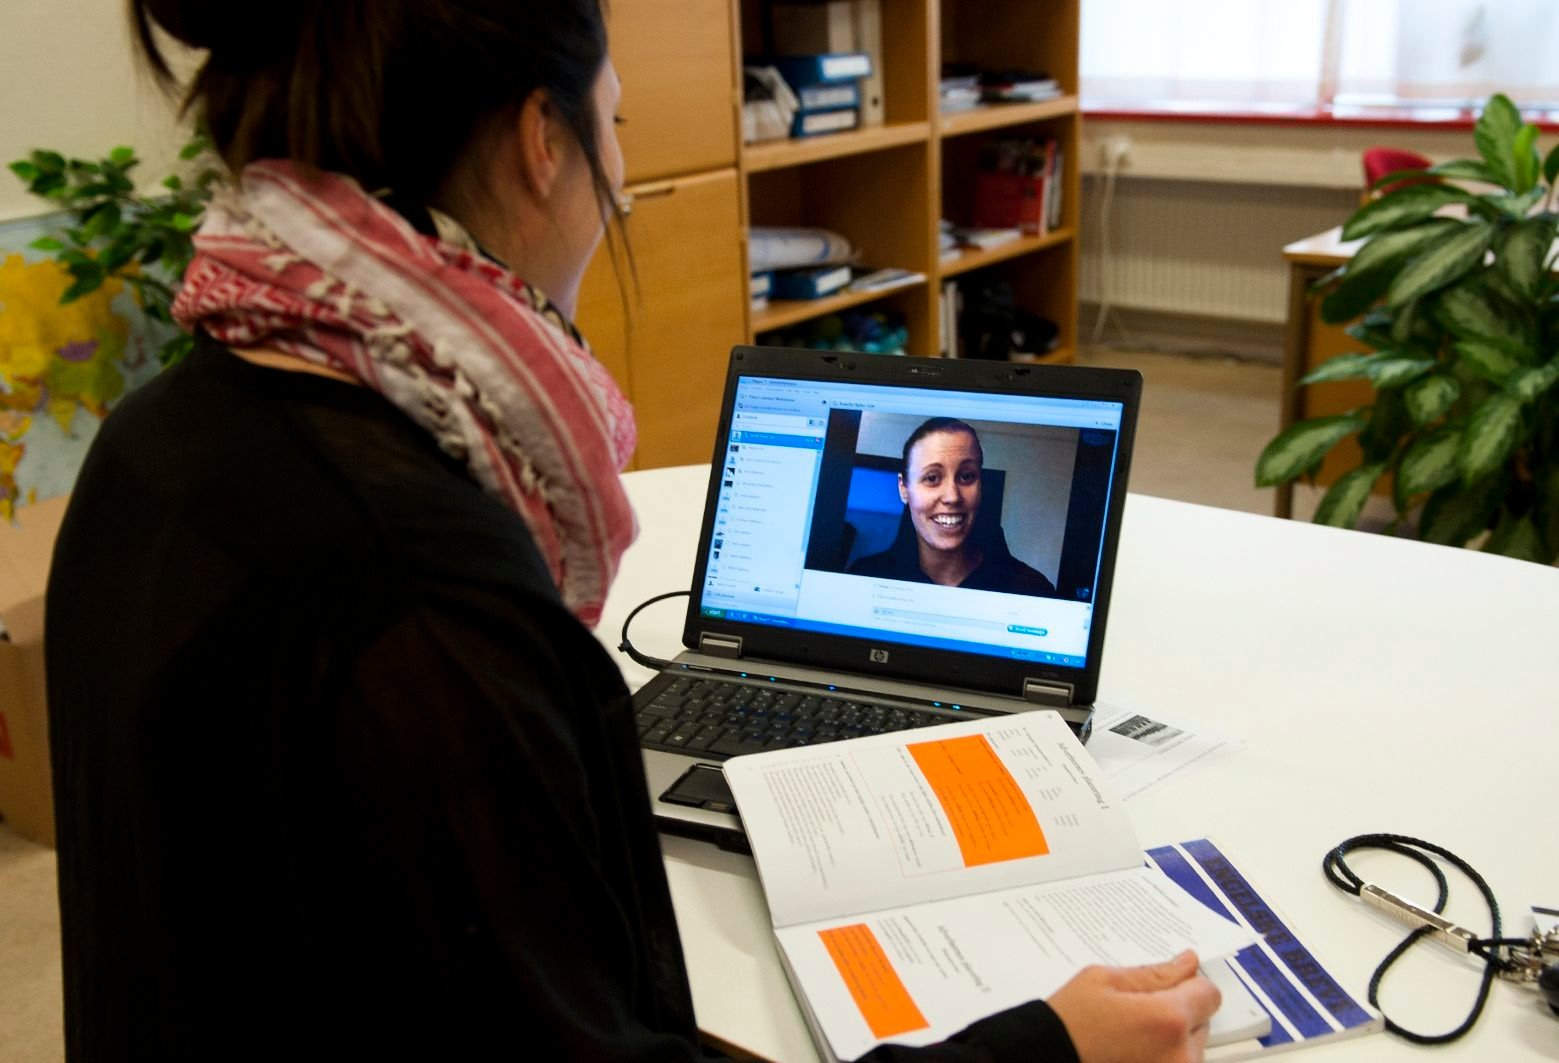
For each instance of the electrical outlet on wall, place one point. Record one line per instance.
(1113, 151)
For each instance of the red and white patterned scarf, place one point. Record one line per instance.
(307, 263)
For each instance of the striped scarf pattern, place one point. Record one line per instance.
(305, 262)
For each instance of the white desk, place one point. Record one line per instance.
(1380, 685)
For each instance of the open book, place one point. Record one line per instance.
(921, 880)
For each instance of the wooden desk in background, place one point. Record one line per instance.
(1309, 341)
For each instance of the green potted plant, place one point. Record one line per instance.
(1456, 305)
(144, 240)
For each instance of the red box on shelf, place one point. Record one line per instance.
(1010, 201)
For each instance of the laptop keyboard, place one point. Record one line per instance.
(720, 718)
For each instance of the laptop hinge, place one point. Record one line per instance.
(1043, 692)
(719, 645)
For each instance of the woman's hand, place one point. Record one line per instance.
(1156, 1013)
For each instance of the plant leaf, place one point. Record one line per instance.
(1409, 174)
(49, 162)
(1495, 136)
(1530, 384)
(1522, 252)
(46, 243)
(1369, 272)
(1516, 206)
(1551, 165)
(25, 170)
(1403, 207)
(1430, 397)
(1440, 265)
(1341, 505)
(1518, 539)
(1430, 463)
(1302, 445)
(1465, 170)
(1387, 373)
(1352, 366)
(1456, 513)
(1476, 313)
(1487, 359)
(122, 156)
(1524, 160)
(1492, 435)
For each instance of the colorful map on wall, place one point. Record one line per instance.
(61, 368)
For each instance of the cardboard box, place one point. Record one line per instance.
(26, 780)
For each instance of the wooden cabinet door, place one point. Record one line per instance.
(677, 62)
(671, 347)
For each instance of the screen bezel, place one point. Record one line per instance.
(907, 661)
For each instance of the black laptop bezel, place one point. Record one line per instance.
(907, 661)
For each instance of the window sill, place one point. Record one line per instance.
(1245, 113)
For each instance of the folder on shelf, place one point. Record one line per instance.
(829, 96)
(803, 70)
(761, 285)
(809, 283)
(814, 123)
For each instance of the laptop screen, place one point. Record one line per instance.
(952, 520)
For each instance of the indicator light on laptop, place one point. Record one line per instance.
(958, 707)
(744, 675)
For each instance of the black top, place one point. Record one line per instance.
(335, 771)
(998, 569)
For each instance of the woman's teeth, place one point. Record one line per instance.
(949, 520)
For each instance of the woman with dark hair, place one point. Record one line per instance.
(941, 538)
(339, 769)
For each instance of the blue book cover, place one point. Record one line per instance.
(1304, 999)
(799, 71)
(826, 97)
(816, 123)
(809, 283)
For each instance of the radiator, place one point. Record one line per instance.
(1205, 249)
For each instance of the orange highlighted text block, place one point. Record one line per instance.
(991, 818)
(874, 985)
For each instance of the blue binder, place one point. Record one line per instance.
(809, 283)
(799, 71)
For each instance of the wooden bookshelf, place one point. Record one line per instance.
(884, 187)
(782, 313)
(779, 154)
(979, 258)
(1005, 115)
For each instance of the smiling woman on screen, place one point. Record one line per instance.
(941, 538)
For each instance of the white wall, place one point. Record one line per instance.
(70, 81)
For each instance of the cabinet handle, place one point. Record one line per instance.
(627, 199)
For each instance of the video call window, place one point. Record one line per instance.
(1009, 507)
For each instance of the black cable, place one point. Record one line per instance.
(626, 646)
(1487, 949)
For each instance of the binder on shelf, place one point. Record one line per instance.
(815, 123)
(837, 27)
(829, 97)
(762, 283)
(803, 70)
(809, 283)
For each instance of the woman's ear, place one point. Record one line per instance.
(540, 149)
(903, 490)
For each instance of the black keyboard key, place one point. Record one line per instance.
(704, 739)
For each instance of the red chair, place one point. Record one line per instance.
(1378, 162)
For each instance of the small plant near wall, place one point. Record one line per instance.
(143, 239)
(1455, 301)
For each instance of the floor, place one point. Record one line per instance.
(1203, 423)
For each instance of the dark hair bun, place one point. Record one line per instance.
(217, 25)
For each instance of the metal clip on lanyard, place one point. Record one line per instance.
(1531, 961)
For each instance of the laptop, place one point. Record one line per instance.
(838, 592)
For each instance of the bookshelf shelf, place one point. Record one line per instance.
(782, 313)
(975, 258)
(1002, 115)
(780, 154)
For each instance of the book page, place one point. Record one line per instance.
(918, 974)
(928, 814)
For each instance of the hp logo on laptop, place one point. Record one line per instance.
(879, 656)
